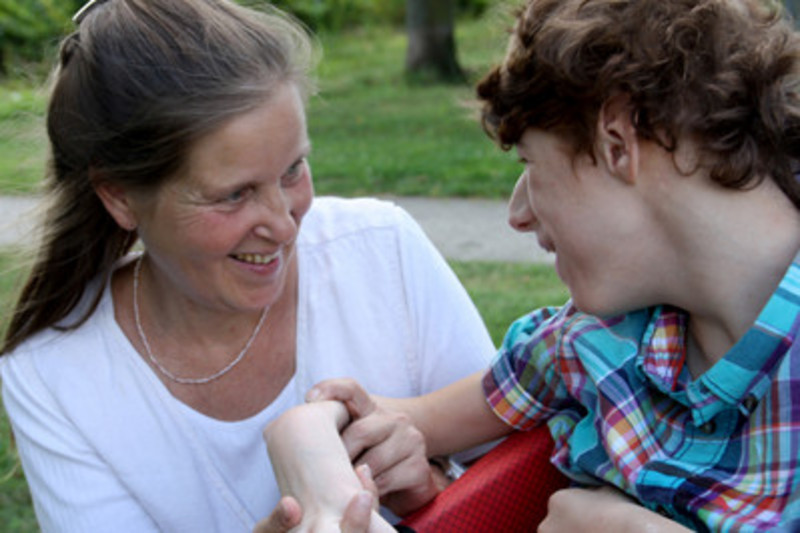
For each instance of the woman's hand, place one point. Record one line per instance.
(602, 509)
(288, 515)
(313, 470)
(384, 438)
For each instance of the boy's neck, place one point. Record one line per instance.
(734, 255)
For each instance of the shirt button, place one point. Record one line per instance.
(750, 403)
(708, 428)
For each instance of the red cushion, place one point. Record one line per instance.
(505, 491)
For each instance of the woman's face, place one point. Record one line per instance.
(223, 231)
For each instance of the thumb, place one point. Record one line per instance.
(286, 515)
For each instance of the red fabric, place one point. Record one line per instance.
(506, 491)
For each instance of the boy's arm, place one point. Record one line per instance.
(454, 418)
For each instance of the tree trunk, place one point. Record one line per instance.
(793, 7)
(431, 53)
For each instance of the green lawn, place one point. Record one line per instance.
(372, 132)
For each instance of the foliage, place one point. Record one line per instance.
(29, 29)
(336, 15)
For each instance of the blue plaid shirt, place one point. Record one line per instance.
(715, 453)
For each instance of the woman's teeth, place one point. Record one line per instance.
(256, 259)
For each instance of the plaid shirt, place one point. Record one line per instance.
(716, 453)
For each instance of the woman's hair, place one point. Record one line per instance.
(137, 84)
(722, 72)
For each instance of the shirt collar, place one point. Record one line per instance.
(742, 377)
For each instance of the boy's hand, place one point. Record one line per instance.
(601, 509)
(385, 439)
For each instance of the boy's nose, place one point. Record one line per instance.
(520, 214)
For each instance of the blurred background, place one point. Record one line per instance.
(392, 114)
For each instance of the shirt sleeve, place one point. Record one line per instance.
(73, 489)
(451, 339)
(523, 386)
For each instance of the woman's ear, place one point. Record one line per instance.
(618, 144)
(116, 199)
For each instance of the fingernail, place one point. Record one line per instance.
(313, 395)
(365, 470)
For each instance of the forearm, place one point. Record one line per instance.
(309, 458)
(454, 418)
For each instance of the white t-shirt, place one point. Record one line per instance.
(106, 448)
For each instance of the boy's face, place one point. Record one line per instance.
(584, 215)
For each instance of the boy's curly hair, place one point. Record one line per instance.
(722, 72)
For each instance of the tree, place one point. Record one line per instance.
(431, 52)
(793, 6)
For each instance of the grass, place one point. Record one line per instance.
(22, 140)
(16, 513)
(373, 133)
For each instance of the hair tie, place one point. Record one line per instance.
(82, 12)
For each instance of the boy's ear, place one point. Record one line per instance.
(116, 199)
(618, 145)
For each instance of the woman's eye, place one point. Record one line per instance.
(294, 172)
(236, 196)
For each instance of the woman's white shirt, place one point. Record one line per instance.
(105, 447)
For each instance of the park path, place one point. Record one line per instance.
(462, 229)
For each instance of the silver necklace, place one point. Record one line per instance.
(170, 375)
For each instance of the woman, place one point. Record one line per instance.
(138, 385)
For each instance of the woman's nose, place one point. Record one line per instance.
(276, 220)
(520, 213)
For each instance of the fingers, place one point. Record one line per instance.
(286, 515)
(358, 513)
(382, 440)
(399, 462)
(347, 391)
